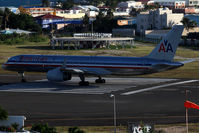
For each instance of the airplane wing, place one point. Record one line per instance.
(71, 70)
(92, 71)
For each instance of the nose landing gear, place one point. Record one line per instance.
(23, 79)
(100, 80)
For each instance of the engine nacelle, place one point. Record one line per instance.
(57, 75)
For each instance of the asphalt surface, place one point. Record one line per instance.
(153, 100)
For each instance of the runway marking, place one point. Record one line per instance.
(157, 87)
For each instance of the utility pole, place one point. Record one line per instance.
(114, 109)
(187, 124)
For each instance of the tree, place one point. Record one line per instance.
(6, 15)
(86, 22)
(23, 21)
(104, 23)
(45, 3)
(100, 16)
(67, 4)
(188, 24)
(43, 128)
(109, 14)
(75, 130)
(3, 114)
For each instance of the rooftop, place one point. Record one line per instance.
(49, 16)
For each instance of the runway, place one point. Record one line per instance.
(112, 85)
(137, 99)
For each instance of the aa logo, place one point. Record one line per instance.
(165, 47)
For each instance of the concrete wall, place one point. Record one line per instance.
(14, 119)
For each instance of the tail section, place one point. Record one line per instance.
(167, 47)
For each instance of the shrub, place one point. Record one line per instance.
(38, 38)
(75, 130)
(3, 114)
(43, 128)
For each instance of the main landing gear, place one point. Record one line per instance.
(86, 83)
(23, 79)
(100, 80)
(83, 82)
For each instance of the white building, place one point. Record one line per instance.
(124, 8)
(130, 4)
(85, 8)
(187, 2)
(171, 4)
(161, 18)
(70, 14)
(90, 10)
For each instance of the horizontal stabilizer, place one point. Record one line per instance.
(187, 61)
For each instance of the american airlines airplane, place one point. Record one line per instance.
(61, 67)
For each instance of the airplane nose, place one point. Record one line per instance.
(3, 66)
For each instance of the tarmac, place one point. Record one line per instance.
(151, 100)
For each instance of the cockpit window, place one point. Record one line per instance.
(14, 59)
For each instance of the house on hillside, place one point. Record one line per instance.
(70, 14)
(36, 11)
(46, 20)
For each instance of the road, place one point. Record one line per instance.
(151, 100)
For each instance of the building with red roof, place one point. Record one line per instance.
(46, 20)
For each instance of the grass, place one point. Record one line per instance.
(190, 70)
(169, 128)
(95, 129)
(178, 128)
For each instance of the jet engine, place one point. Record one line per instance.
(57, 75)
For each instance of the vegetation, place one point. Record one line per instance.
(86, 22)
(104, 24)
(45, 3)
(188, 24)
(18, 21)
(21, 38)
(3, 114)
(75, 130)
(154, 6)
(7, 129)
(67, 4)
(43, 128)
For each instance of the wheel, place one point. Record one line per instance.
(97, 81)
(23, 80)
(100, 81)
(85, 83)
